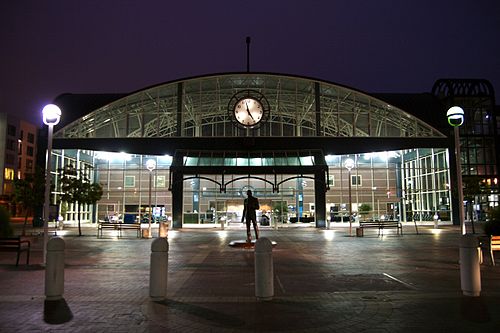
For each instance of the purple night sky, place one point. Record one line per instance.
(97, 46)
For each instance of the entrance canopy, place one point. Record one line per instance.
(274, 163)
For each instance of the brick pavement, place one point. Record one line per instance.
(324, 282)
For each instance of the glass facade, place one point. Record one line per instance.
(409, 185)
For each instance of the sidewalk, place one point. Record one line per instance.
(325, 281)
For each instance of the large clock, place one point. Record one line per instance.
(248, 108)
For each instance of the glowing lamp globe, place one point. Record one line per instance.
(51, 114)
(349, 163)
(150, 165)
(455, 116)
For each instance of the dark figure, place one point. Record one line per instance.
(250, 205)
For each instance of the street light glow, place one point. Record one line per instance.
(349, 164)
(150, 164)
(455, 116)
(51, 114)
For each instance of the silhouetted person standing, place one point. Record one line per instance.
(250, 205)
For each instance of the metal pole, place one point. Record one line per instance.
(350, 204)
(459, 182)
(47, 194)
(248, 54)
(150, 208)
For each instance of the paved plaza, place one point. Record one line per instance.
(325, 281)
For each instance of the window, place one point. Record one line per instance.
(129, 181)
(331, 180)
(9, 173)
(11, 130)
(31, 137)
(29, 151)
(11, 145)
(9, 159)
(160, 181)
(355, 180)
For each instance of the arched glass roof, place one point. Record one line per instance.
(198, 107)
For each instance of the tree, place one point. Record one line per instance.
(29, 193)
(5, 227)
(77, 189)
(364, 209)
(492, 226)
(473, 186)
(280, 209)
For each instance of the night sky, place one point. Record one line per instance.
(97, 46)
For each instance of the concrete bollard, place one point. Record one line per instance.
(264, 271)
(470, 272)
(54, 269)
(159, 269)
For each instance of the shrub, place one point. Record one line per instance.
(5, 227)
(492, 226)
(364, 209)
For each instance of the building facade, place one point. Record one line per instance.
(287, 138)
(18, 141)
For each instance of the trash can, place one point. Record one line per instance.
(359, 232)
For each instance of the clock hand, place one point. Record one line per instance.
(248, 111)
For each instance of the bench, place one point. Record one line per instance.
(492, 245)
(118, 226)
(381, 225)
(16, 244)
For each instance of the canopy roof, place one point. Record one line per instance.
(200, 107)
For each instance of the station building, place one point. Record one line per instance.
(312, 151)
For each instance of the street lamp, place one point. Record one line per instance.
(51, 117)
(150, 165)
(349, 164)
(455, 116)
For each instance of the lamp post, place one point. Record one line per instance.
(51, 117)
(150, 165)
(455, 116)
(349, 164)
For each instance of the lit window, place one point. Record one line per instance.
(160, 181)
(9, 173)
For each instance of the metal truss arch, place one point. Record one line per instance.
(462, 88)
(198, 107)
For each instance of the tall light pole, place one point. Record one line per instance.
(349, 164)
(150, 165)
(455, 116)
(51, 117)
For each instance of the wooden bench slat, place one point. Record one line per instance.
(118, 226)
(381, 225)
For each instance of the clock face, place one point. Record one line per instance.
(248, 111)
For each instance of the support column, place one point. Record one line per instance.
(320, 198)
(177, 199)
